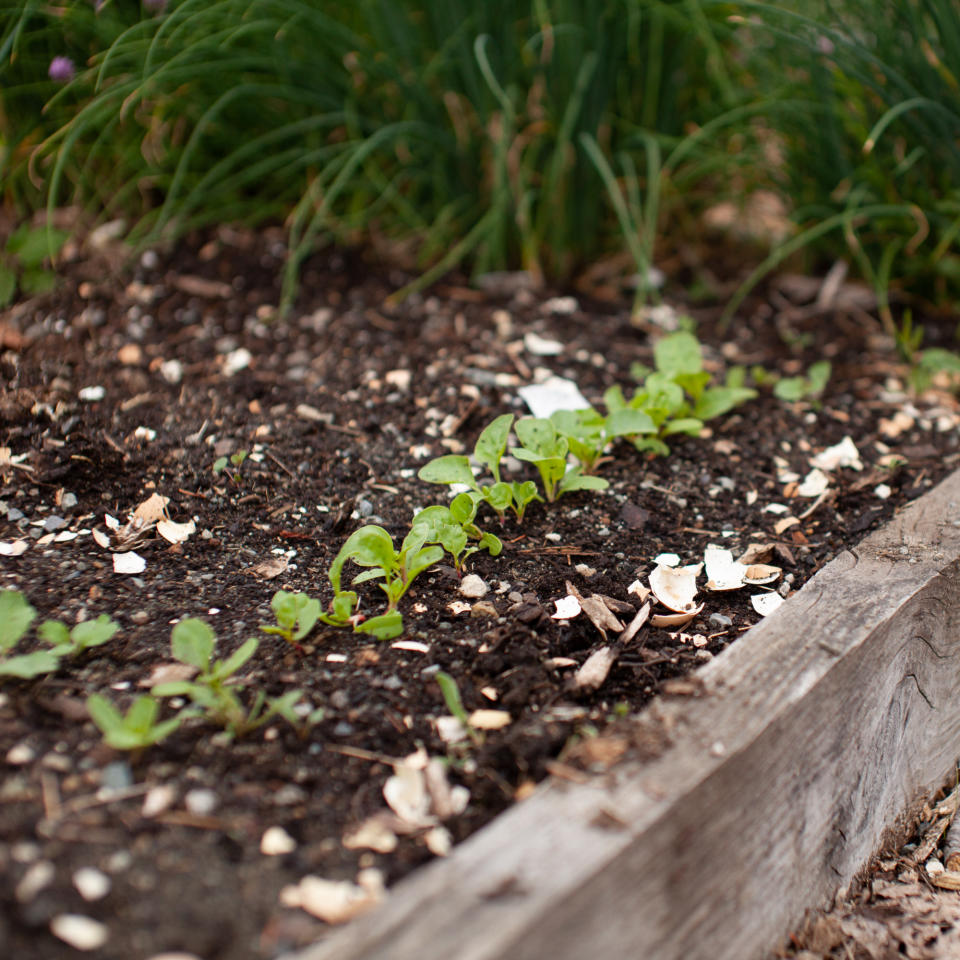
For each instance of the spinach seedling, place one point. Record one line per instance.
(488, 451)
(547, 450)
(192, 642)
(138, 728)
(453, 528)
(236, 461)
(676, 395)
(16, 616)
(588, 433)
(296, 615)
(810, 387)
(371, 546)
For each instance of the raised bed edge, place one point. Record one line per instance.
(815, 731)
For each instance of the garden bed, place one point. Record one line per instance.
(121, 388)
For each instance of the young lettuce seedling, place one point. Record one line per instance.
(71, 643)
(589, 433)
(547, 451)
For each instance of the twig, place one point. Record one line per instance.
(281, 465)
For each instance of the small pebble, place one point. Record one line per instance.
(79, 932)
(53, 523)
(473, 586)
(92, 394)
(158, 800)
(37, 876)
(140, 617)
(116, 776)
(200, 802)
(484, 608)
(68, 501)
(91, 884)
(720, 620)
(276, 842)
(20, 754)
(289, 795)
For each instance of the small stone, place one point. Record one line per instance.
(91, 884)
(484, 608)
(200, 802)
(473, 587)
(92, 394)
(290, 794)
(158, 800)
(276, 842)
(68, 501)
(718, 619)
(140, 617)
(54, 523)
(37, 876)
(116, 776)
(20, 754)
(79, 932)
(171, 371)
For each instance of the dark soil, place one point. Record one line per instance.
(191, 877)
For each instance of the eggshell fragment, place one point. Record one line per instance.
(675, 587)
(766, 603)
(758, 574)
(674, 619)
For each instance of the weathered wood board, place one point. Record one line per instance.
(812, 734)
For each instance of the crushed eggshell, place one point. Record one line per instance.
(842, 454)
(723, 572)
(175, 532)
(540, 346)
(128, 563)
(766, 603)
(568, 607)
(406, 794)
(882, 491)
(785, 524)
(675, 587)
(276, 842)
(414, 646)
(758, 574)
(490, 719)
(555, 393)
(373, 834)
(584, 570)
(667, 560)
(13, 548)
(814, 483)
(334, 901)
(458, 606)
(439, 841)
(674, 619)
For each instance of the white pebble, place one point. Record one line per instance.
(78, 931)
(473, 586)
(200, 802)
(276, 842)
(20, 754)
(37, 876)
(91, 883)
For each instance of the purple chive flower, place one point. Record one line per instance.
(62, 69)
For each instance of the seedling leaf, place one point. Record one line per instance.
(192, 642)
(16, 615)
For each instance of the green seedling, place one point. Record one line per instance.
(296, 615)
(371, 546)
(236, 460)
(451, 697)
(22, 261)
(547, 450)
(676, 395)
(453, 528)
(588, 433)
(488, 451)
(192, 642)
(16, 616)
(71, 643)
(928, 363)
(137, 728)
(809, 387)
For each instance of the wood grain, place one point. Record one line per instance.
(813, 733)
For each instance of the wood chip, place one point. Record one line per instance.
(633, 627)
(593, 674)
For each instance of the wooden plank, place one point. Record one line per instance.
(813, 733)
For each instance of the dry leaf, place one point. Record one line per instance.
(269, 568)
